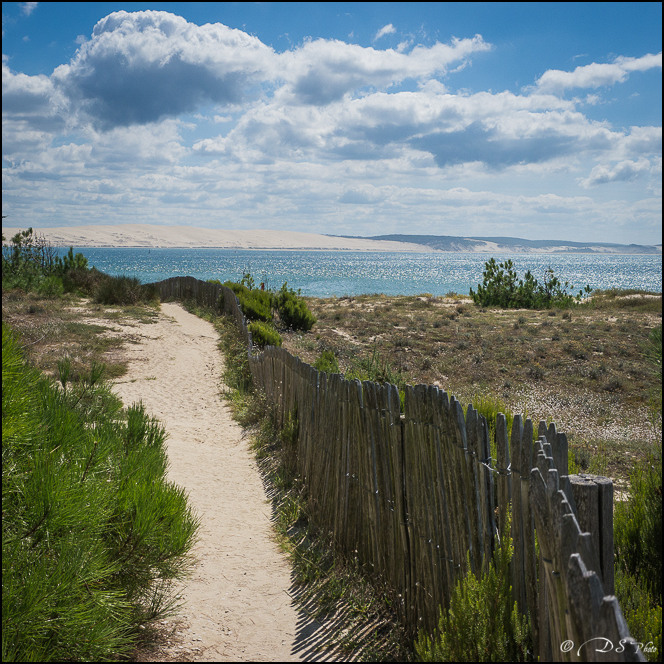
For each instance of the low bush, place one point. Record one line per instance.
(259, 304)
(378, 370)
(263, 334)
(51, 286)
(482, 623)
(293, 310)
(638, 526)
(255, 303)
(643, 615)
(122, 290)
(30, 262)
(637, 536)
(327, 362)
(92, 533)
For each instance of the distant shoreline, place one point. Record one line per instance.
(150, 236)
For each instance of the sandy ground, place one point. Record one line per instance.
(237, 602)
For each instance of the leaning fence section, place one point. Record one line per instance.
(419, 499)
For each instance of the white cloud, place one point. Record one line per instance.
(323, 71)
(623, 171)
(597, 75)
(159, 119)
(28, 7)
(143, 66)
(388, 29)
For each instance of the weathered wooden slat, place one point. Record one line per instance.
(504, 471)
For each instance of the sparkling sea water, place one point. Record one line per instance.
(328, 273)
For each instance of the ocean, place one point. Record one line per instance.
(330, 273)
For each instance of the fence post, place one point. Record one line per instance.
(593, 496)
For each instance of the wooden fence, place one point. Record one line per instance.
(415, 495)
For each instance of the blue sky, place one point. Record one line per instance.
(535, 120)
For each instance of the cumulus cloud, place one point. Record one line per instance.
(143, 66)
(32, 111)
(323, 71)
(140, 67)
(597, 75)
(362, 195)
(25, 94)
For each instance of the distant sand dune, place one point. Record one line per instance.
(153, 236)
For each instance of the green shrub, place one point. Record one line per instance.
(122, 290)
(26, 260)
(643, 615)
(263, 334)
(70, 262)
(30, 262)
(82, 281)
(51, 286)
(255, 303)
(327, 362)
(637, 533)
(638, 526)
(489, 406)
(482, 623)
(237, 372)
(92, 533)
(502, 288)
(293, 310)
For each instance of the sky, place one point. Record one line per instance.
(533, 120)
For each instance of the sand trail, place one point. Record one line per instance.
(237, 602)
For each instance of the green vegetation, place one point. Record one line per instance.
(29, 260)
(270, 312)
(500, 288)
(263, 334)
(327, 362)
(30, 263)
(293, 310)
(482, 623)
(262, 304)
(638, 543)
(256, 304)
(93, 534)
(123, 290)
(378, 370)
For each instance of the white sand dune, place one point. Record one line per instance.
(153, 236)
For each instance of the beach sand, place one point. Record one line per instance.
(153, 236)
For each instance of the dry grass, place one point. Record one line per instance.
(582, 368)
(52, 328)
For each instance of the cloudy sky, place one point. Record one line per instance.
(533, 120)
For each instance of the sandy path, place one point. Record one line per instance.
(237, 605)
